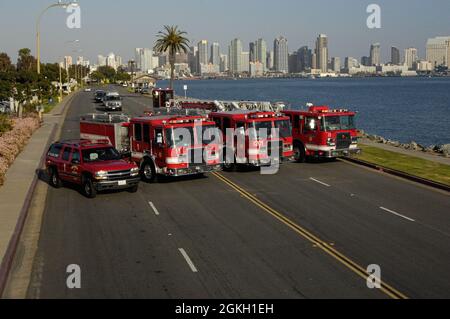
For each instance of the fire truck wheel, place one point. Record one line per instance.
(148, 172)
(299, 153)
(88, 188)
(55, 181)
(229, 161)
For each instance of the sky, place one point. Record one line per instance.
(120, 26)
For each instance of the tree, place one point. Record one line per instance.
(173, 41)
(26, 62)
(5, 63)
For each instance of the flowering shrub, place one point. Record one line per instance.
(13, 141)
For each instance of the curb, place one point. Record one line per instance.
(397, 173)
(8, 258)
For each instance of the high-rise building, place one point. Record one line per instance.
(202, 54)
(192, 59)
(252, 50)
(224, 63)
(292, 61)
(270, 60)
(235, 56)
(111, 61)
(336, 64)
(411, 57)
(261, 52)
(438, 51)
(366, 61)
(215, 54)
(281, 55)
(118, 61)
(68, 61)
(375, 54)
(304, 56)
(322, 53)
(144, 59)
(245, 64)
(350, 62)
(395, 56)
(101, 60)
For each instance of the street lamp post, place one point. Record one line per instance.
(38, 29)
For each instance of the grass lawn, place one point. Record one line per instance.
(405, 163)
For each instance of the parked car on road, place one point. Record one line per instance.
(137, 90)
(87, 90)
(145, 91)
(95, 166)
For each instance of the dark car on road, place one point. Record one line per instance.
(99, 96)
(95, 166)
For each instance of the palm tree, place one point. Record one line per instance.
(173, 41)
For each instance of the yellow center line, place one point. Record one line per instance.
(331, 251)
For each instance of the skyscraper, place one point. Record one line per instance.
(215, 54)
(281, 55)
(395, 56)
(322, 53)
(304, 59)
(438, 51)
(270, 60)
(202, 55)
(68, 61)
(144, 59)
(411, 57)
(261, 53)
(101, 60)
(252, 51)
(245, 64)
(336, 64)
(235, 56)
(192, 59)
(223, 63)
(375, 54)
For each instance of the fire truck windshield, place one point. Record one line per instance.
(284, 127)
(338, 123)
(180, 137)
(100, 155)
(260, 129)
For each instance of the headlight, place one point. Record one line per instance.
(101, 175)
(288, 148)
(181, 159)
(134, 171)
(331, 142)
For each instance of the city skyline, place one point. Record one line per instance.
(344, 23)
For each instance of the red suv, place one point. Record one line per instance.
(96, 166)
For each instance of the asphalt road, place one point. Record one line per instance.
(307, 232)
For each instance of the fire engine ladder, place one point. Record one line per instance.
(225, 106)
(105, 118)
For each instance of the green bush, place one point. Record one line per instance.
(5, 124)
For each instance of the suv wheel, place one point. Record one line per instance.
(229, 162)
(55, 181)
(133, 189)
(148, 172)
(88, 188)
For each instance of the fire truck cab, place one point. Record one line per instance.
(260, 148)
(162, 97)
(321, 132)
(174, 145)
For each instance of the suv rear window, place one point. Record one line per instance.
(55, 151)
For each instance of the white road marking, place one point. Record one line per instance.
(397, 214)
(322, 183)
(188, 260)
(154, 208)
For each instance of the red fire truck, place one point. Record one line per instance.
(266, 137)
(321, 132)
(170, 145)
(162, 97)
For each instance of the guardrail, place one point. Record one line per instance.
(401, 174)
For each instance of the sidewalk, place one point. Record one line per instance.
(19, 183)
(419, 154)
